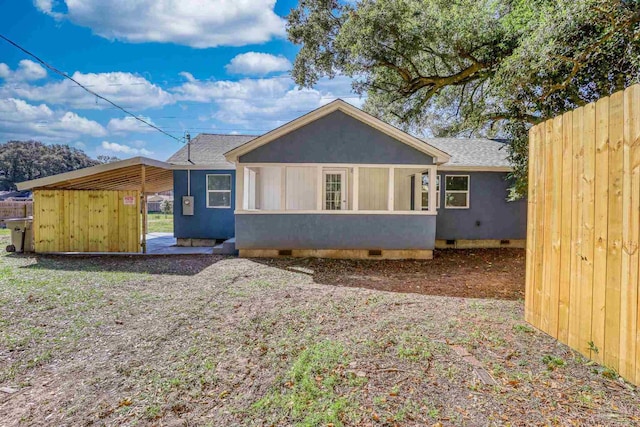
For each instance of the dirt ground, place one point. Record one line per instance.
(206, 340)
(456, 273)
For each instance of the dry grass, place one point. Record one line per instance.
(221, 341)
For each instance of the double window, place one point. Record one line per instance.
(456, 191)
(218, 191)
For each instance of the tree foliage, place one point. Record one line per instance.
(27, 160)
(471, 67)
(107, 159)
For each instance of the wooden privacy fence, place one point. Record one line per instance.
(86, 221)
(584, 229)
(15, 209)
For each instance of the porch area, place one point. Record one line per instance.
(336, 210)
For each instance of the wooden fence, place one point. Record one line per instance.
(584, 229)
(15, 209)
(86, 221)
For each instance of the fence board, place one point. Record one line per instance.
(583, 236)
(576, 222)
(85, 221)
(565, 237)
(15, 209)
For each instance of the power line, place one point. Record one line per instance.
(66, 76)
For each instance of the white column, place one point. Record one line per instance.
(246, 184)
(417, 192)
(432, 189)
(240, 170)
(356, 186)
(283, 188)
(391, 191)
(319, 189)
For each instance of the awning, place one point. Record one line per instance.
(138, 173)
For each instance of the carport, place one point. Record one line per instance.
(97, 209)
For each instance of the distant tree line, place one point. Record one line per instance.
(27, 160)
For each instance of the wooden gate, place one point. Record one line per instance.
(584, 228)
(86, 221)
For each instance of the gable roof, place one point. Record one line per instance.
(208, 150)
(474, 153)
(438, 155)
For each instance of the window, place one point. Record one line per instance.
(218, 191)
(425, 191)
(456, 191)
(334, 190)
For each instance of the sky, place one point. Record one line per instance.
(202, 66)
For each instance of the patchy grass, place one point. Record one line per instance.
(160, 223)
(308, 396)
(207, 340)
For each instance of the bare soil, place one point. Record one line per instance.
(472, 273)
(206, 340)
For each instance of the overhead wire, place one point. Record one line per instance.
(97, 95)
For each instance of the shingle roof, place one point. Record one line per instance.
(475, 152)
(208, 149)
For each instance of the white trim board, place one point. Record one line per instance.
(459, 168)
(326, 212)
(418, 144)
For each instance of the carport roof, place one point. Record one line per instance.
(121, 175)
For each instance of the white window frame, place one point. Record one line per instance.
(424, 208)
(343, 188)
(467, 191)
(230, 190)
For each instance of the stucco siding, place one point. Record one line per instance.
(206, 223)
(490, 215)
(337, 138)
(335, 231)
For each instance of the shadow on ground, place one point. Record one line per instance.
(478, 273)
(187, 265)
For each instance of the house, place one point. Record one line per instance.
(156, 202)
(337, 182)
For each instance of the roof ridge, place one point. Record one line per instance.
(227, 134)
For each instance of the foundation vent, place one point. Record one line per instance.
(375, 252)
(285, 252)
(505, 242)
(451, 242)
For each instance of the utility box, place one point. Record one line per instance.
(187, 205)
(21, 234)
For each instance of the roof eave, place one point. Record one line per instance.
(80, 173)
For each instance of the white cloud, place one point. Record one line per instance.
(125, 89)
(124, 149)
(27, 71)
(129, 124)
(195, 23)
(188, 76)
(207, 91)
(257, 63)
(263, 104)
(19, 119)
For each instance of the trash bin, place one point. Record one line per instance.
(21, 234)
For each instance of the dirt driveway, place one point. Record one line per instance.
(217, 341)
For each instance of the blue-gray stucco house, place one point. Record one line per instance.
(338, 182)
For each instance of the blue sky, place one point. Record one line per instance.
(217, 66)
